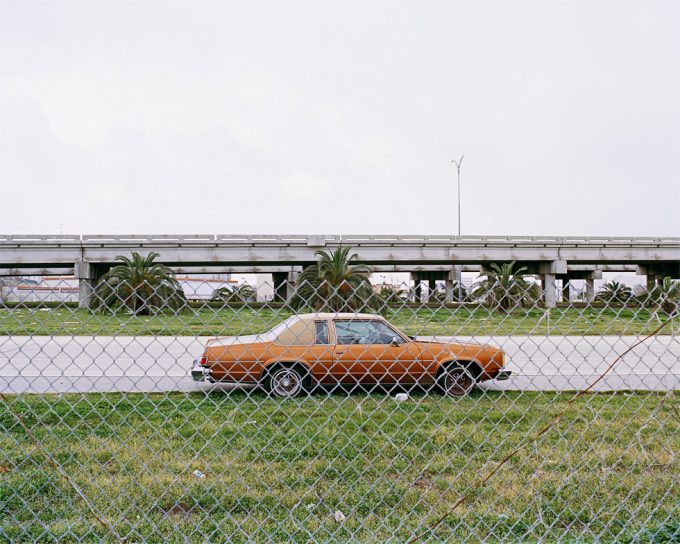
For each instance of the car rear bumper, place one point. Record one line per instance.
(199, 373)
(503, 375)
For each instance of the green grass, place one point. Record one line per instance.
(277, 470)
(415, 321)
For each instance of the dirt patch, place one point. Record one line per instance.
(421, 483)
(177, 509)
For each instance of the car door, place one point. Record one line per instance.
(320, 355)
(365, 353)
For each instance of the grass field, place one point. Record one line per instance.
(277, 470)
(414, 321)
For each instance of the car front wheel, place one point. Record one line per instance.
(285, 382)
(456, 381)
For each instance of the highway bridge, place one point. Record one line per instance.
(426, 258)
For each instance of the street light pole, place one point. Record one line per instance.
(458, 164)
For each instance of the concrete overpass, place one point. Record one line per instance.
(426, 258)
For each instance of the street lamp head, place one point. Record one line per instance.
(459, 161)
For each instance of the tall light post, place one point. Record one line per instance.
(458, 164)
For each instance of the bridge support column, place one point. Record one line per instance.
(454, 284)
(590, 289)
(291, 282)
(549, 290)
(566, 290)
(84, 273)
(284, 284)
(548, 272)
(417, 287)
(658, 271)
(431, 277)
(448, 291)
(279, 283)
(651, 281)
(431, 289)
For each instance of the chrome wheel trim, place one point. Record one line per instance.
(285, 382)
(458, 382)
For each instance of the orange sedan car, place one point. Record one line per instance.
(335, 348)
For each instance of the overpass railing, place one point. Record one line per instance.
(352, 239)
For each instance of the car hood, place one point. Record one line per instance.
(447, 340)
(465, 348)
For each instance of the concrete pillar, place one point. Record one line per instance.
(458, 278)
(651, 281)
(84, 273)
(448, 286)
(453, 277)
(417, 287)
(291, 282)
(85, 292)
(419, 290)
(549, 290)
(284, 284)
(431, 289)
(590, 289)
(566, 291)
(279, 282)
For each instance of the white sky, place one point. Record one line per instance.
(304, 117)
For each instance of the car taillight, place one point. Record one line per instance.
(203, 361)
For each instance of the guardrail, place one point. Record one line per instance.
(322, 239)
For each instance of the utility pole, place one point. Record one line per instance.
(458, 164)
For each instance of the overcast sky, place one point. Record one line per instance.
(340, 117)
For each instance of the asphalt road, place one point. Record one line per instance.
(60, 364)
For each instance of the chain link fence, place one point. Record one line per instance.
(338, 411)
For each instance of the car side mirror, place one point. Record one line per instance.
(395, 341)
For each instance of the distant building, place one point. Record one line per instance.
(40, 289)
(65, 288)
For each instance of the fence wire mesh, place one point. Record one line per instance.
(334, 410)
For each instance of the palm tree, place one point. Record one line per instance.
(240, 293)
(615, 292)
(665, 296)
(503, 288)
(392, 294)
(334, 283)
(140, 285)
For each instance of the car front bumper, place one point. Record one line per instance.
(199, 373)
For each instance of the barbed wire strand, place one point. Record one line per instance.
(60, 470)
(540, 433)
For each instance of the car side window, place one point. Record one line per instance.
(363, 332)
(321, 332)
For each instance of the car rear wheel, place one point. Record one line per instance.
(456, 381)
(285, 382)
